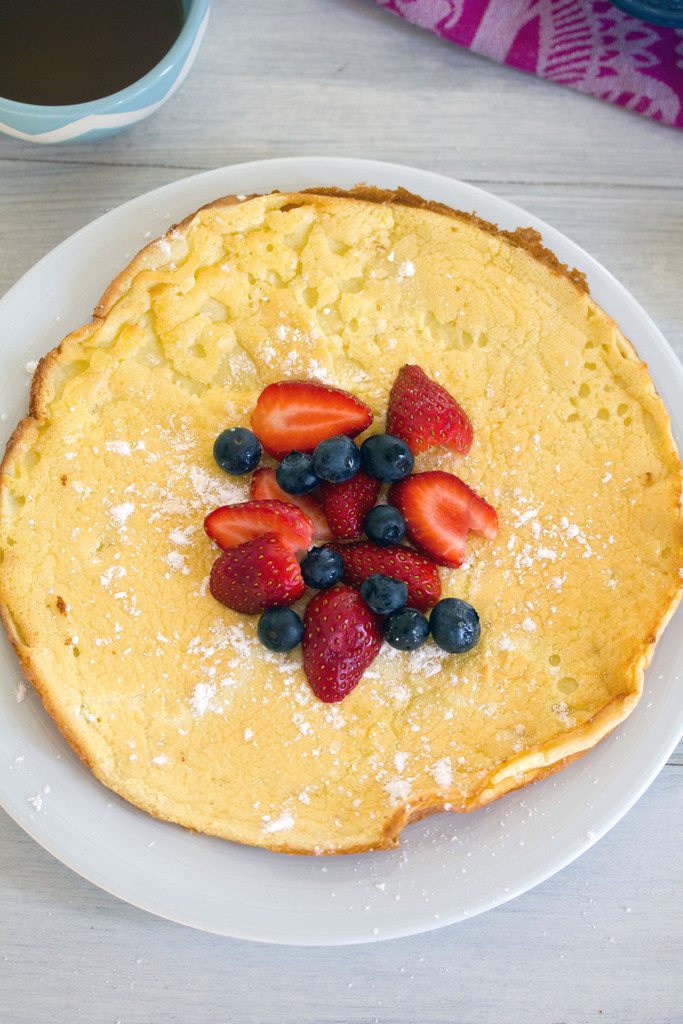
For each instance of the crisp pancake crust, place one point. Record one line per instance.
(168, 696)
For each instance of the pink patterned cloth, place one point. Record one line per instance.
(588, 45)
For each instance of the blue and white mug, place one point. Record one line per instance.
(34, 122)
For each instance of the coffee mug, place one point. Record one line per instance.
(33, 122)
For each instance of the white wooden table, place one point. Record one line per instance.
(600, 941)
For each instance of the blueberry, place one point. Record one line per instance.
(383, 594)
(386, 457)
(384, 525)
(237, 451)
(322, 568)
(455, 625)
(406, 629)
(337, 459)
(280, 629)
(295, 474)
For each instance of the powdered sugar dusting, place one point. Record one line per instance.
(398, 790)
(201, 698)
(181, 537)
(212, 490)
(112, 573)
(443, 772)
(282, 824)
(427, 661)
(120, 513)
(561, 709)
(318, 371)
(178, 562)
(118, 447)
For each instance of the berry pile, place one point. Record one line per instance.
(303, 524)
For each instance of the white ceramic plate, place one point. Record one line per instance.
(450, 866)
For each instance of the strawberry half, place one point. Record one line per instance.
(265, 487)
(423, 414)
(263, 573)
(295, 415)
(419, 573)
(346, 504)
(341, 638)
(440, 511)
(231, 525)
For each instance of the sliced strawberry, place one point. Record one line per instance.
(423, 413)
(341, 638)
(440, 510)
(295, 415)
(346, 504)
(419, 573)
(231, 525)
(264, 486)
(263, 573)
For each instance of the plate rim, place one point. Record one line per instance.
(600, 277)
